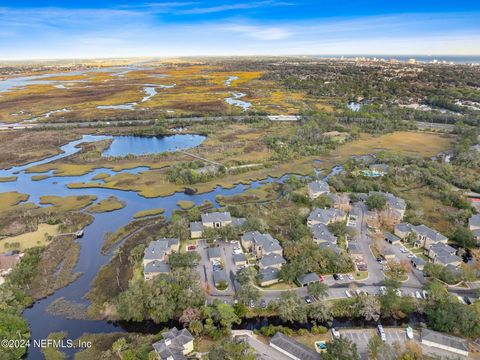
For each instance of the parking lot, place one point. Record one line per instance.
(206, 268)
(361, 337)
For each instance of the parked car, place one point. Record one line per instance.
(335, 333)
(425, 294)
(398, 292)
(383, 290)
(336, 277)
(410, 255)
(350, 276)
(409, 332)
(263, 304)
(322, 278)
(418, 295)
(308, 299)
(251, 304)
(340, 277)
(381, 333)
(348, 293)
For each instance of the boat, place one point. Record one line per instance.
(409, 332)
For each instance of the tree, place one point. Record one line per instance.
(248, 293)
(119, 345)
(13, 326)
(188, 259)
(291, 308)
(246, 275)
(318, 290)
(341, 349)
(131, 303)
(319, 312)
(225, 315)
(368, 307)
(376, 202)
(230, 349)
(190, 314)
(463, 237)
(195, 327)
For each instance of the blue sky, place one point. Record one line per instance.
(36, 29)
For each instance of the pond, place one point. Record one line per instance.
(140, 145)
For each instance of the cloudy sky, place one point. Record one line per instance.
(35, 29)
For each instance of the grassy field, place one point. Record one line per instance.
(9, 199)
(28, 240)
(149, 212)
(68, 203)
(199, 89)
(185, 204)
(106, 205)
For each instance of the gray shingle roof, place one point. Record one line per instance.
(404, 227)
(156, 266)
(239, 257)
(308, 278)
(268, 274)
(196, 226)
(318, 186)
(390, 237)
(443, 339)
(327, 245)
(271, 260)
(321, 232)
(216, 217)
(429, 233)
(325, 216)
(172, 344)
(219, 276)
(156, 249)
(266, 241)
(474, 220)
(293, 347)
(418, 261)
(393, 202)
(214, 252)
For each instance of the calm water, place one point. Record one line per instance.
(138, 145)
(91, 259)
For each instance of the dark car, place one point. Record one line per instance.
(263, 304)
(336, 277)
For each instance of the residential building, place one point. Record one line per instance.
(214, 254)
(196, 229)
(269, 276)
(317, 188)
(354, 249)
(292, 348)
(174, 345)
(220, 277)
(340, 200)
(330, 246)
(261, 244)
(446, 342)
(443, 254)
(240, 259)
(215, 220)
(418, 263)
(394, 204)
(378, 169)
(391, 239)
(326, 216)
(425, 237)
(308, 279)
(155, 256)
(271, 260)
(402, 230)
(321, 233)
(155, 268)
(474, 225)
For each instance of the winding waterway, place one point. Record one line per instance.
(91, 259)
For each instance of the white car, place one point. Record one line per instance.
(418, 295)
(349, 295)
(340, 277)
(350, 276)
(410, 255)
(383, 290)
(381, 333)
(399, 292)
(335, 333)
(425, 294)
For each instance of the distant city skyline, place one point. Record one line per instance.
(105, 29)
